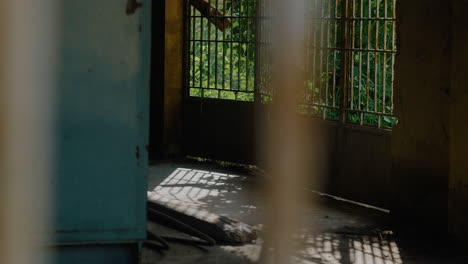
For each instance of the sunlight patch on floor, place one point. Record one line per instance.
(196, 186)
(336, 249)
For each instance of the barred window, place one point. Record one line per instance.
(352, 46)
(350, 51)
(221, 49)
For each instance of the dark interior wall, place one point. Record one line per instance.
(351, 162)
(458, 179)
(156, 140)
(219, 130)
(167, 79)
(420, 149)
(362, 169)
(420, 169)
(173, 77)
(321, 147)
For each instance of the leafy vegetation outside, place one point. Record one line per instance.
(222, 62)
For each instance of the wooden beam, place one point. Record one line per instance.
(214, 16)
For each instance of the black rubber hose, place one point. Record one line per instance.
(157, 241)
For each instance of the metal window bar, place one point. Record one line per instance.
(351, 50)
(322, 93)
(377, 108)
(221, 49)
(351, 46)
(263, 38)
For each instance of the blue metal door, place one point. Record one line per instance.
(102, 130)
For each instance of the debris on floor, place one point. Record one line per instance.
(206, 195)
(221, 229)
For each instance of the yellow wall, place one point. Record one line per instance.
(173, 76)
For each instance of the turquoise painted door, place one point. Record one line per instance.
(102, 126)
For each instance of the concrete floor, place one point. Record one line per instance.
(336, 232)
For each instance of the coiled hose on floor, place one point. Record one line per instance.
(161, 242)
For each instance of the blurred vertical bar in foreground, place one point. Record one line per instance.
(28, 48)
(289, 144)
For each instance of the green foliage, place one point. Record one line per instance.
(371, 57)
(222, 64)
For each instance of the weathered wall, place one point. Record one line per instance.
(173, 77)
(353, 162)
(458, 180)
(158, 39)
(219, 130)
(420, 140)
(362, 169)
(429, 148)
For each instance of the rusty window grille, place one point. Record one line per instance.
(221, 49)
(351, 49)
(372, 52)
(263, 57)
(324, 42)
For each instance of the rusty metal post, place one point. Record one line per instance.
(289, 146)
(28, 43)
(345, 77)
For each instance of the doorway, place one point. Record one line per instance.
(219, 79)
